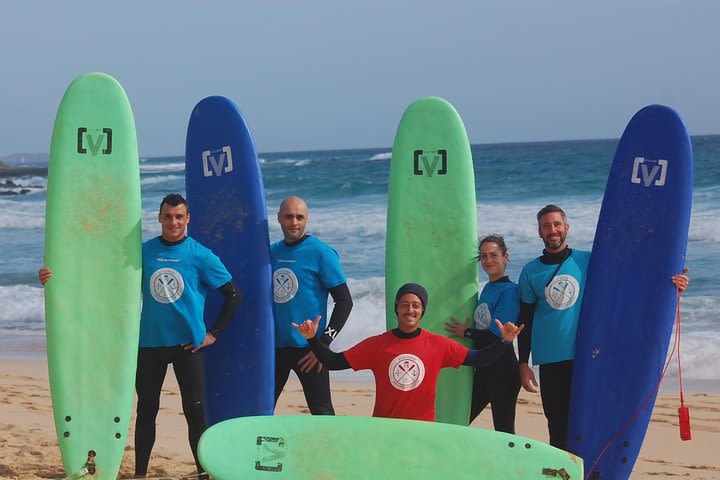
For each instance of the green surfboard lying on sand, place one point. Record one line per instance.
(432, 232)
(92, 301)
(327, 447)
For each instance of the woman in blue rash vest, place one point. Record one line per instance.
(499, 383)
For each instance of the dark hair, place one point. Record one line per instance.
(493, 238)
(174, 199)
(550, 209)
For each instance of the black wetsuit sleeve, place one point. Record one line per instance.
(341, 312)
(331, 360)
(232, 300)
(485, 356)
(483, 337)
(527, 311)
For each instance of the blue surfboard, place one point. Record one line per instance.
(629, 306)
(228, 215)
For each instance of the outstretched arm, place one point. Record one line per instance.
(488, 355)
(332, 360)
(341, 311)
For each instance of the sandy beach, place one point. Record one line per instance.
(29, 449)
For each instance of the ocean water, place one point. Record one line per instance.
(346, 191)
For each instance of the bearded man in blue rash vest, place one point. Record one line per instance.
(551, 293)
(305, 270)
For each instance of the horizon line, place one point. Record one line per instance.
(388, 149)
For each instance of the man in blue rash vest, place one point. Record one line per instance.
(551, 292)
(176, 275)
(406, 361)
(305, 270)
(497, 384)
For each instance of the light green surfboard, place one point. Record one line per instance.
(92, 301)
(327, 447)
(432, 232)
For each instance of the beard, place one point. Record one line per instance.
(554, 242)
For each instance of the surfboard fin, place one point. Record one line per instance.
(551, 472)
(89, 468)
(78, 474)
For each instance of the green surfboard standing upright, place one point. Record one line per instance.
(432, 231)
(93, 246)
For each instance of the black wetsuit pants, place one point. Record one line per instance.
(555, 381)
(316, 385)
(190, 373)
(498, 385)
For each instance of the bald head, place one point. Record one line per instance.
(293, 217)
(293, 202)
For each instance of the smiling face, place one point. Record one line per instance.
(293, 217)
(409, 311)
(493, 261)
(173, 219)
(553, 229)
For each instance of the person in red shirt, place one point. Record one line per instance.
(406, 360)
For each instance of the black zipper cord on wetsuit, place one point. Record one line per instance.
(558, 268)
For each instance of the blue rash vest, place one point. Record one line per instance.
(499, 300)
(557, 295)
(302, 275)
(175, 281)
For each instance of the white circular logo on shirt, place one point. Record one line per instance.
(406, 372)
(166, 285)
(563, 292)
(482, 317)
(285, 285)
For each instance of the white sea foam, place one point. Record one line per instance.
(699, 312)
(164, 179)
(287, 161)
(23, 185)
(22, 215)
(22, 308)
(38, 182)
(162, 167)
(699, 355)
(382, 156)
(705, 225)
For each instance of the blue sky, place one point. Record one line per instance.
(333, 74)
